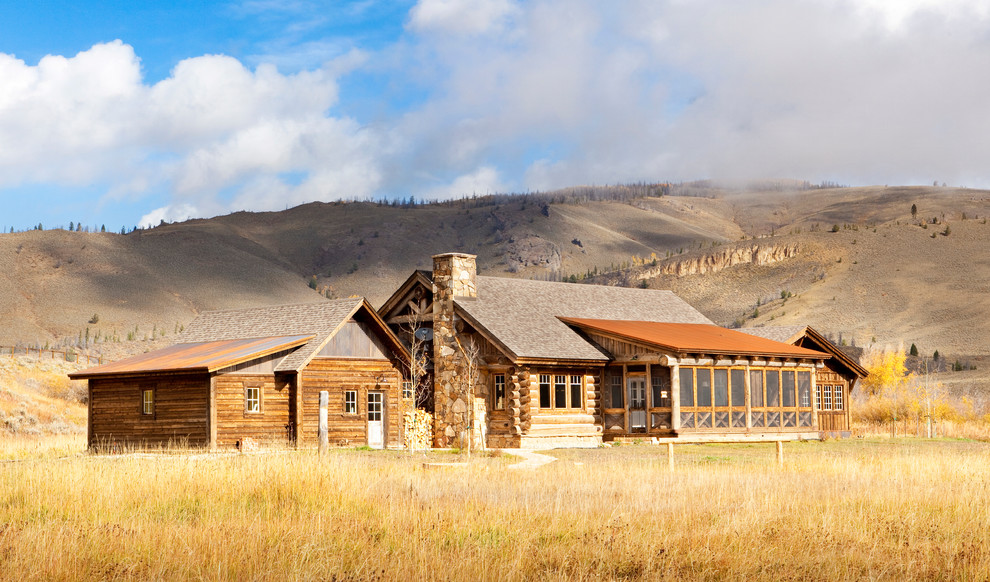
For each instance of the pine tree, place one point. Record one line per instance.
(914, 350)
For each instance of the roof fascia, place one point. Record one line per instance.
(261, 354)
(829, 347)
(395, 300)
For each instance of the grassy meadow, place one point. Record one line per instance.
(878, 509)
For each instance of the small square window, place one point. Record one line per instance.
(350, 402)
(407, 391)
(148, 402)
(252, 399)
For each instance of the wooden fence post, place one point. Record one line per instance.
(780, 453)
(324, 402)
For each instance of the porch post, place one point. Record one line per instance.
(675, 397)
(749, 401)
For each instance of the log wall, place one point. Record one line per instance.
(181, 411)
(338, 376)
(272, 425)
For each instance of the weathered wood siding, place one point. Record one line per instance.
(337, 376)
(181, 411)
(272, 425)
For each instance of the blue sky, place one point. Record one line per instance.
(123, 113)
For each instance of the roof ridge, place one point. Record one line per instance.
(283, 305)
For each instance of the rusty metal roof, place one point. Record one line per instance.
(685, 338)
(203, 357)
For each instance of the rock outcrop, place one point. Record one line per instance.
(712, 262)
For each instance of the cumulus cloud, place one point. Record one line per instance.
(525, 96)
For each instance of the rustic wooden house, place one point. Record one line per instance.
(835, 381)
(257, 373)
(537, 364)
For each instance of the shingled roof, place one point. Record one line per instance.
(521, 315)
(321, 320)
(778, 333)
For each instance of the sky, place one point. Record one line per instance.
(123, 113)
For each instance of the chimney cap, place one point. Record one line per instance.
(460, 255)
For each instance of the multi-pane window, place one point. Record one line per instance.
(576, 391)
(148, 402)
(350, 402)
(560, 391)
(252, 399)
(407, 391)
(498, 381)
(818, 397)
(827, 393)
(544, 390)
(838, 398)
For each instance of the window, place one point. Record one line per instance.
(818, 397)
(560, 391)
(498, 381)
(576, 389)
(787, 383)
(704, 387)
(544, 390)
(827, 392)
(756, 387)
(148, 402)
(407, 391)
(661, 391)
(687, 386)
(838, 398)
(615, 391)
(350, 402)
(804, 389)
(773, 388)
(252, 399)
(721, 387)
(737, 381)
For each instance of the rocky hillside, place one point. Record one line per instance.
(744, 257)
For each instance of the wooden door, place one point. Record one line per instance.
(376, 420)
(636, 391)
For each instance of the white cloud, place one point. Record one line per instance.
(481, 182)
(461, 17)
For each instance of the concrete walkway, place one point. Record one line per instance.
(531, 459)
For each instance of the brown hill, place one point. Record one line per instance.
(881, 275)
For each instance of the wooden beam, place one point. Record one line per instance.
(410, 318)
(212, 414)
(297, 395)
(89, 415)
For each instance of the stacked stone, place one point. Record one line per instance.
(453, 276)
(418, 429)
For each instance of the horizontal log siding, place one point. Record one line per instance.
(181, 411)
(270, 426)
(338, 376)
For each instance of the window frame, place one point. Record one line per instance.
(407, 391)
(145, 402)
(349, 404)
(248, 388)
(837, 401)
(575, 387)
(498, 392)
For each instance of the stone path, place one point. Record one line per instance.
(531, 459)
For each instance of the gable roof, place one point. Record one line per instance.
(203, 357)
(685, 338)
(521, 316)
(805, 334)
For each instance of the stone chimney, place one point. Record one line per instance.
(454, 275)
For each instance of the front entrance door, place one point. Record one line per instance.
(637, 403)
(376, 420)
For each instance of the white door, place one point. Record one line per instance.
(637, 404)
(376, 420)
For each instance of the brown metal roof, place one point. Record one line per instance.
(196, 357)
(687, 338)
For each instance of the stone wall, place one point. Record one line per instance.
(454, 275)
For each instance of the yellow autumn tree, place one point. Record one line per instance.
(889, 387)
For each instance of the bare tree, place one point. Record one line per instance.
(472, 359)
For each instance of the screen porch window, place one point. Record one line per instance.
(544, 390)
(787, 384)
(704, 386)
(721, 387)
(615, 391)
(498, 381)
(350, 402)
(773, 388)
(252, 399)
(838, 398)
(687, 386)
(577, 387)
(737, 380)
(804, 389)
(756, 388)
(148, 402)
(661, 391)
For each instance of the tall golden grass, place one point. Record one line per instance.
(839, 510)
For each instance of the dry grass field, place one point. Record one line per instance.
(870, 509)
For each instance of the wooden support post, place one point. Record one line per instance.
(675, 398)
(212, 421)
(324, 402)
(780, 453)
(297, 395)
(749, 400)
(670, 456)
